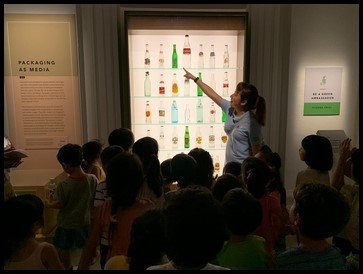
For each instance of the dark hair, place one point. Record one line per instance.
(183, 169)
(318, 152)
(109, 152)
(233, 168)
(249, 93)
(70, 154)
(20, 214)
(355, 164)
(274, 161)
(165, 168)
(223, 184)
(323, 211)
(122, 137)
(242, 212)
(265, 152)
(91, 152)
(124, 179)
(205, 167)
(256, 174)
(147, 240)
(195, 230)
(276, 183)
(147, 149)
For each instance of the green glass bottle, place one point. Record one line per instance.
(186, 137)
(199, 90)
(224, 116)
(174, 58)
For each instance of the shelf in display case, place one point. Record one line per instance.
(177, 124)
(188, 149)
(173, 97)
(189, 69)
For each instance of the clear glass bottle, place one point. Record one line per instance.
(147, 57)
(200, 57)
(198, 137)
(225, 85)
(161, 138)
(187, 53)
(161, 113)
(226, 57)
(199, 111)
(212, 112)
(186, 87)
(217, 165)
(212, 137)
(224, 139)
(199, 90)
(174, 139)
(186, 137)
(147, 85)
(174, 112)
(161, 56)
(212, 57)
(161, 85)
(147, 113)
(187, 114)
(174, 58)
(212, 81)
(174, 89)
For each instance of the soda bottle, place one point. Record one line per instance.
(212, 137)
(174, 139)
(161, 56)
(161, 113)
(186, 137)
(224, 139)
(174, 58)
(217, 166)
(199, 90)
(161, 85)
(198, 137)
(174, 89)
(200, 57)
(224, 116)
(212, 57)
(187, 114)
(212, 81)
(147, 57)
(186, 52)
(225, 85)
(186, 87)
(212, 117)
(147, 85)
(174, 112)
(161, 137)
(226, 57)
(147, 113)
(199, 111)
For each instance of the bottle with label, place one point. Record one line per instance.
(50, 189)
(186, 137)
(212, 81)
(186, 87)
(147, 113)
(187, 114)
(200, 57)
(148, 133)
(161, 56)
(212, 57)
(225, 85)
(224, 116)
(186, 52)
(161, 113)
(174, 89)
(212, 137)
(224, 139)
(147, 85)
(199, 90)
(199, 111)
(217, 165)
(174, 58)
(161, 85)
(174, 112)
(147, 57)
(212, 112)
(198, 137)
(174, 138)
(226, 57)
(161, 137)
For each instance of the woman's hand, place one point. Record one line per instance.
(188, 75)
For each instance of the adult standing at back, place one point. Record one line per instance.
(246, 113)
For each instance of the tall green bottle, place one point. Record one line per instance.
(186, 137)
(174, 58)
(199, 90)
(224, 116)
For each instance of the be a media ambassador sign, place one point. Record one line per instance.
(322, 90)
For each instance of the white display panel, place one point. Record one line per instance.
(137, 41)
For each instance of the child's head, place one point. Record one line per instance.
(264, 152)
(319, 211)
(92, 151)
(165, 168)
(195, 231)
(23, 215)
(108, 153)
(316, 151)
(122, 137)
(205, 167)
(274, 161)
(70, 156)
(233, 168)
(183, 169)
(242, 212)
(223, 184)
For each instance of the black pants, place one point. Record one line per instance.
(103, 255)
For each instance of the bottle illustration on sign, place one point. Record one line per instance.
(217, 166)
(200, 57)
(224, 139)
(174, 58)
(198, 137)
(212, 137)
(225, 85)
(161, 56)
(186, 137)
(161, 113)
(161, 137)
(226, 57)
(186, 52)
(212, 57)
(147, 85)
(199, 111)
(174, 138)
(147, 57)
(187, 114)
(224, 116)
(199, 90)
(186, 87)
(147, 113)
(212, 81)
(161, 85)
(212, 112)
(174, 89)
(174, 112)
(323, 81)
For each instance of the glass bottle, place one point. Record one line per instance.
(212, 81)
(199, 111)
(217, 166)
(226, 57)
(225, 85)
(174, 89)
(186, 87)
(161, 113)
(212, 137)
(199, 90)
(147, 85)
(174, 112)
(224, 116)
(187, 52)
(224, 139)
(161, 137)
(212, 111)
(147, 113)
(200, 57)
(198, 137)
(147, 57)
(161, 85)
(212, 57)
(186, 137)
(174, 58)
(174, 138)
(187, 114)
(161, 56)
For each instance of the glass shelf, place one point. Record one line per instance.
(173, 97)
(178, 124)
(142, 68)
